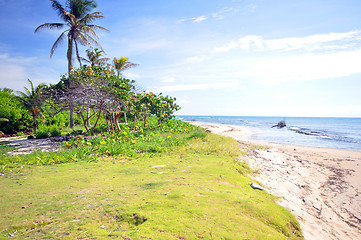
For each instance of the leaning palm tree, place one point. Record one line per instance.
(77, 16)
(121, 64)
(94, 57)
(31, 99)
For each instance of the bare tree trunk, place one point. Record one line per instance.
(116, 117)
(106, 120)
(71, 110)
(96, 122)
(88, 117)
(125, 118)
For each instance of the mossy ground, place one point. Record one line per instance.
(196, 191)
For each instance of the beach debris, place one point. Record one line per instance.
(256, 186)
(13, 234)
(280, 124)
(157, 166)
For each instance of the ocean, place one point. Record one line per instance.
(342, 133)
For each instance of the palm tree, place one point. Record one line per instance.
(94, 57)
(78, 18)
(32, 100)
(122, 64)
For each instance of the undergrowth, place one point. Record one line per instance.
(127, 142)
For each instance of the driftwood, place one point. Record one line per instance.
(280, 124)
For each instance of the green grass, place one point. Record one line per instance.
(195, 190)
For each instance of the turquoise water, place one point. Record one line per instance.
(343, 133)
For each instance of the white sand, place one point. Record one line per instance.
(320, 186)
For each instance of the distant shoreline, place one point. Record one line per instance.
(320, 186)
(337, 133)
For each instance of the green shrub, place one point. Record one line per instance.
(20, 134)
(55, 133)
(101, 128)
(40, 135)
(77, 132)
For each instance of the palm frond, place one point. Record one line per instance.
(59, 9)
(89, 31)
(85, 60)
(97, 27)
(122, 64)
(50, 26)
(90, 17)
(58, 42)
(79, 8)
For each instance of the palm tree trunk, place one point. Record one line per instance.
(69, 56)
(35, 123)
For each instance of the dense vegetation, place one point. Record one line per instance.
(96, 94)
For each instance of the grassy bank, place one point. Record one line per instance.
(191, 187)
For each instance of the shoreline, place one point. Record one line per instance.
(320, 186)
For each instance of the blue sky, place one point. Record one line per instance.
(224, 57)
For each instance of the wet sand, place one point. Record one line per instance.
(320, 186)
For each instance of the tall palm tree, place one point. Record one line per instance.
(121, 64)
(94, 57)
(77, 16)
(32, 100)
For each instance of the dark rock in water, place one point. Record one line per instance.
(256, 186)
(280, 124)
(31, 137)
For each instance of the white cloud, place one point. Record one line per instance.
(168, 80)
(312, 42)
(193, 19)
(189, 87)
(15, 70)
(251, 8)
(197, 59)
(221, 14)
(199, 19)
(306, 67)
(224, 11)
(12, 76)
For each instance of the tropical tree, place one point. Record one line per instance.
(32, 100)
(78, 18)
(121, 64)
(94, 57)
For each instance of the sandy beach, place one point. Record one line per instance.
(320, 186)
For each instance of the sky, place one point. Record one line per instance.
(217, 57)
